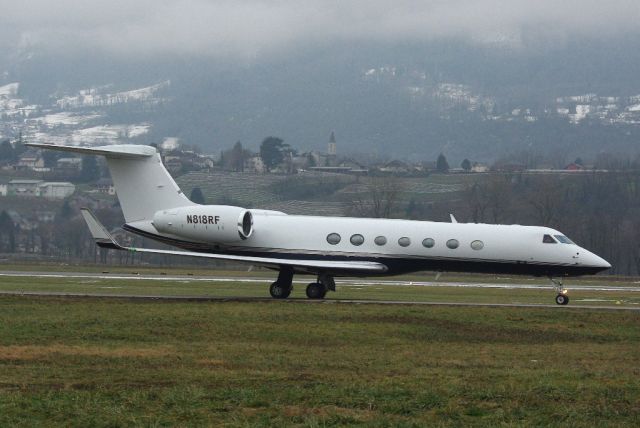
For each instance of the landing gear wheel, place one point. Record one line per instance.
(561, 298)
(279, 291)
(316, 290)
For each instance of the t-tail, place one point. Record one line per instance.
(142, 183)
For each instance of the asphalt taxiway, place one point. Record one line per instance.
(341, 282)
(353, 282)
(368, 282)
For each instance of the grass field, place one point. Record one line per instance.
(115, 362)
(83, 362)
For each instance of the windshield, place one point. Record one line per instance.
(563, 239)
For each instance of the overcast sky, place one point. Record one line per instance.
(254, 27)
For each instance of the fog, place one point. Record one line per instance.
(251, 28)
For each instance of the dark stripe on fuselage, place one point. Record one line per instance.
(396, 264)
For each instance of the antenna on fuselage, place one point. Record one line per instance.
(453, 219)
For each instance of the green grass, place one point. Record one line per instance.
(85, 362)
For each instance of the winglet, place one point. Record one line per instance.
(98, 231)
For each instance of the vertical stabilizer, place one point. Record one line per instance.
(142, 183)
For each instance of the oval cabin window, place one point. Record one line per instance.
(333, 238)
(380, 240)
(428, 243)
(477, 245)
(357, 239)
(404, 241)
(453, 244)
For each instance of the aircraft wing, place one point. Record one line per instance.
(104, 239)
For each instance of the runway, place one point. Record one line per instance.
(342, 282)
(306, 301)
(369, 282)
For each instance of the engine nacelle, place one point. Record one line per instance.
(206, 223)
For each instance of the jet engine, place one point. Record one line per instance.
(206, 223)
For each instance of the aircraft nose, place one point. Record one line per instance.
(595, 261)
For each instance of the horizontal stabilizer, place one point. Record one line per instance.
(120, 151)
(105, 240)
(102, 237)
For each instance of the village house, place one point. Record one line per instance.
(574, 167)
(105, 186)
(173, 164)
(396, 167)
(479, 167)
(56, 190)
(31, 159)
(39, 188)
(254, 164)
(23, 187)
(69, 165)
(179, 161)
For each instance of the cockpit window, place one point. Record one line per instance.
(563, 239)
(548, 240)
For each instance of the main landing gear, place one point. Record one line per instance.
(562, 298)
(282, 287)
(317, 290)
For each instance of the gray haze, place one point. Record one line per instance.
(405, 78)
(251, 28)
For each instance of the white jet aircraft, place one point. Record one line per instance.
(154, 207)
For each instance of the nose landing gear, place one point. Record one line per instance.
(562, 298)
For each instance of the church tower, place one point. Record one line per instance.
(331, 151)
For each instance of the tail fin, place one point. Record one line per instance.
(142, 183)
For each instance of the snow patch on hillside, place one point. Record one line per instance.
(97, 97)
(108, 134)
(95, 135)
(66, 119)
(10, 90)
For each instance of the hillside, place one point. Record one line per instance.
(406, 101)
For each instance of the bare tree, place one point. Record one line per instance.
(499, 196)
(379, 199)
(546, 200)
(476, 197)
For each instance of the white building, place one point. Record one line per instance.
(254, 164)
(30, 160)
(69, 164)
(3, 190)
(56, 190)
(104, 185)
(23, 187)
(479, 167)
(170, 144)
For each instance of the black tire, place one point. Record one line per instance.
(279, 291)
(562, 299)
(315, 290)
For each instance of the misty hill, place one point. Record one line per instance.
(403, 101)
